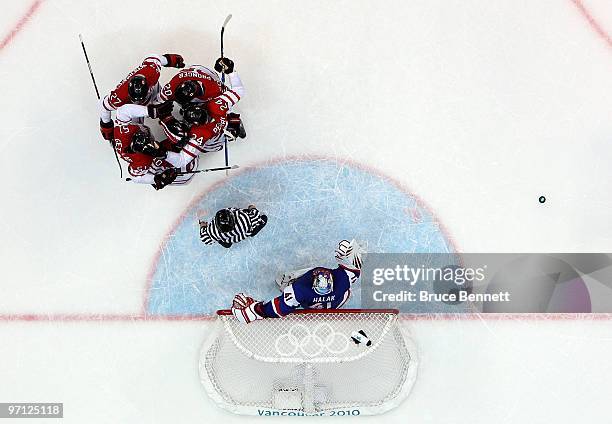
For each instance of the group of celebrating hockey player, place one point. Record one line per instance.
(206, 121)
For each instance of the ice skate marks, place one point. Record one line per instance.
(311, 204)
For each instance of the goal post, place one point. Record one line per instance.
(311, 362)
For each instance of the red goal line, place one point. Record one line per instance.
(402, 316)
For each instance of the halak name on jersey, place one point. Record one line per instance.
(324, 299)
(319, 288)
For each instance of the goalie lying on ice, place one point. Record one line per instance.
(316, 288)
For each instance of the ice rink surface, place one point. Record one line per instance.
(442, 119)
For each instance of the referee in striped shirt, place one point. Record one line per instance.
(232, 225)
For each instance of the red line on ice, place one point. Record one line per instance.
(403, 317)
(20, 24)
(100, 317)
(593, 22)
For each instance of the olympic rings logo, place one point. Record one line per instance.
(311, 343)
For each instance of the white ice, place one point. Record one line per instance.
(478, 106)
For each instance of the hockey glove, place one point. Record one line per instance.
(174, 60)
(161, 110)
(235, 126)
(244, 308)
(349, 255)
(165, 178)
(107, 130)
(176, 131)
(225, 65)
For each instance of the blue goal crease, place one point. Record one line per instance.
(311, 205)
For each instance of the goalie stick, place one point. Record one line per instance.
(93, 79)
(227, 19)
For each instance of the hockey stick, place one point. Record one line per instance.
(93, 79)
(223, 168)
(225, 22)
(227, 19)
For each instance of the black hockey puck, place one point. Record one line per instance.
(542, 199)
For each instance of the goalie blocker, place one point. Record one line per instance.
(310, 363)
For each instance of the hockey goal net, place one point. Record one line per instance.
(324, 362)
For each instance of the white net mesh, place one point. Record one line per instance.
(310, 362)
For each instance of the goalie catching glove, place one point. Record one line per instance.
(244, 308)
(349, 255)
